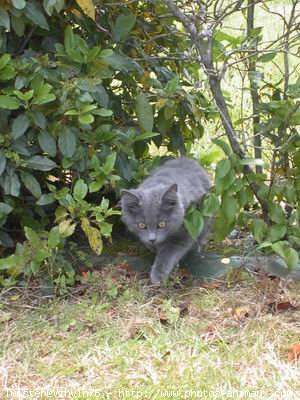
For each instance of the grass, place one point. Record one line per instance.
(116, 334)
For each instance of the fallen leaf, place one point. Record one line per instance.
(209, 334)
(184, 308)
(5, 316)
(241, 313)
(15, 297)
(276, 306)
(167, 353)
(163, 318)
(294, 353)
(211, 285)
(124, 265)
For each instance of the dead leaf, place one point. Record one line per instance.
(124, 265)
(276, 306)
(241, 313)
(167, 353)
(87, 7)
(209, 334)
(5, 316)
(163, 318)
(211, 285)
(294, 353)
(15, 297)
(184, 308)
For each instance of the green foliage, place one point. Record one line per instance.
(194, 222)
(84, 108)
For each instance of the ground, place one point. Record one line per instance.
(115, 336)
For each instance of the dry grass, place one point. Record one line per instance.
(116, 333)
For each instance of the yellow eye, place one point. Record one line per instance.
(141, 225)
(162, 224)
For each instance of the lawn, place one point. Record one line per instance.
(114, 336)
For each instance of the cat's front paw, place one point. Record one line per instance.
(156, 278)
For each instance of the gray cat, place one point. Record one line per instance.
(154, 212)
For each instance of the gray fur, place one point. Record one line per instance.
(164, 196)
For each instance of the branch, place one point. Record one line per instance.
(253, 87)
(203, 43)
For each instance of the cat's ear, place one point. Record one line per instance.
(170, 198)
(129, 200)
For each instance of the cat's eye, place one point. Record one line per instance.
(141, 225)
(162, 224)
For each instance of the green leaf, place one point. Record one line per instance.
(145, 135)
(67, 142)
(267, 57)
(38, 116)
(66, 228)
(220, 36)
(40, 163)
(87, 108)
(193, 222)
(72, 112)
(46, 199)
(7, 73)
(20, 125)
(124, 24)
(103, 112)
(4, 60)
(47, 143)
(172, 85)
(69, 40)
(225, 176)
(96, 185)
(31, 184)
(19, 4)
(2, 162)
(223, 145)
(223, 167)
(4, 19)
(11, 262)
(277, 214)
(109, 163)
(43, 98)
(33, 12)
(292, 259)
(5, 209)
(144, 113)
(18, 25)
(75, 55)
(33, 237)
(12, 184)
(86, 119)
(54, 238)
(229, 207)
(290, 256)
(211, 205)
(24, 96)
(6, 240)
(80, 189)
(276, 232)
(9, 102)
(259, 229)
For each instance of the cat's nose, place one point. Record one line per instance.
(152, 237)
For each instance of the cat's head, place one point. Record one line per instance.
(152, 214)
